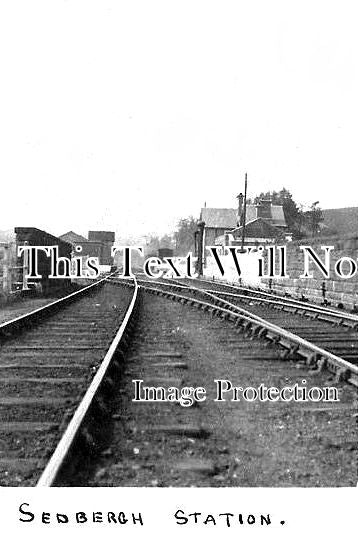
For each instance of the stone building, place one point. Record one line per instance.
(98, 244)
(265, 222)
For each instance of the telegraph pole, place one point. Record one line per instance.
(201, 248)
(244, 217)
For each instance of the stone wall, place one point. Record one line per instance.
(334, 289)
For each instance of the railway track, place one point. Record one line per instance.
(265, 298)
(334, 330)
(323, 338)
(163, 443)
(52, 362)
(97, 345)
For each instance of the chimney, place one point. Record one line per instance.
(240, 197)
(264, 209)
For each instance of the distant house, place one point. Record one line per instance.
(98, 244)
(273, 214)
(73, 238)
(257, 232)
(217, 222)
(264, 223)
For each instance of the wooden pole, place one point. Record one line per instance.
(201, 247)
(25, 269)
(244, 217)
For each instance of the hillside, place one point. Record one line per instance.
(341, 221)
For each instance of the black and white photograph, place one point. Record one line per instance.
(178, 252)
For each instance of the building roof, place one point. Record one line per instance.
(277, 216)
(219, 218)
(228, 218)
(259, 228)
(36, 237)
(72, 237)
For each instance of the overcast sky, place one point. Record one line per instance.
(127, 115)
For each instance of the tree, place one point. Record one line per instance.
(154, 242)
(184, 235)
(313, 218)
(182, 240)
(151, 245)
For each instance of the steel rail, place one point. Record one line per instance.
(280, 297)
(329, 314)
(283, 332)
(65, 445)
(281, 301)
(34, 315)
(291, 342)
